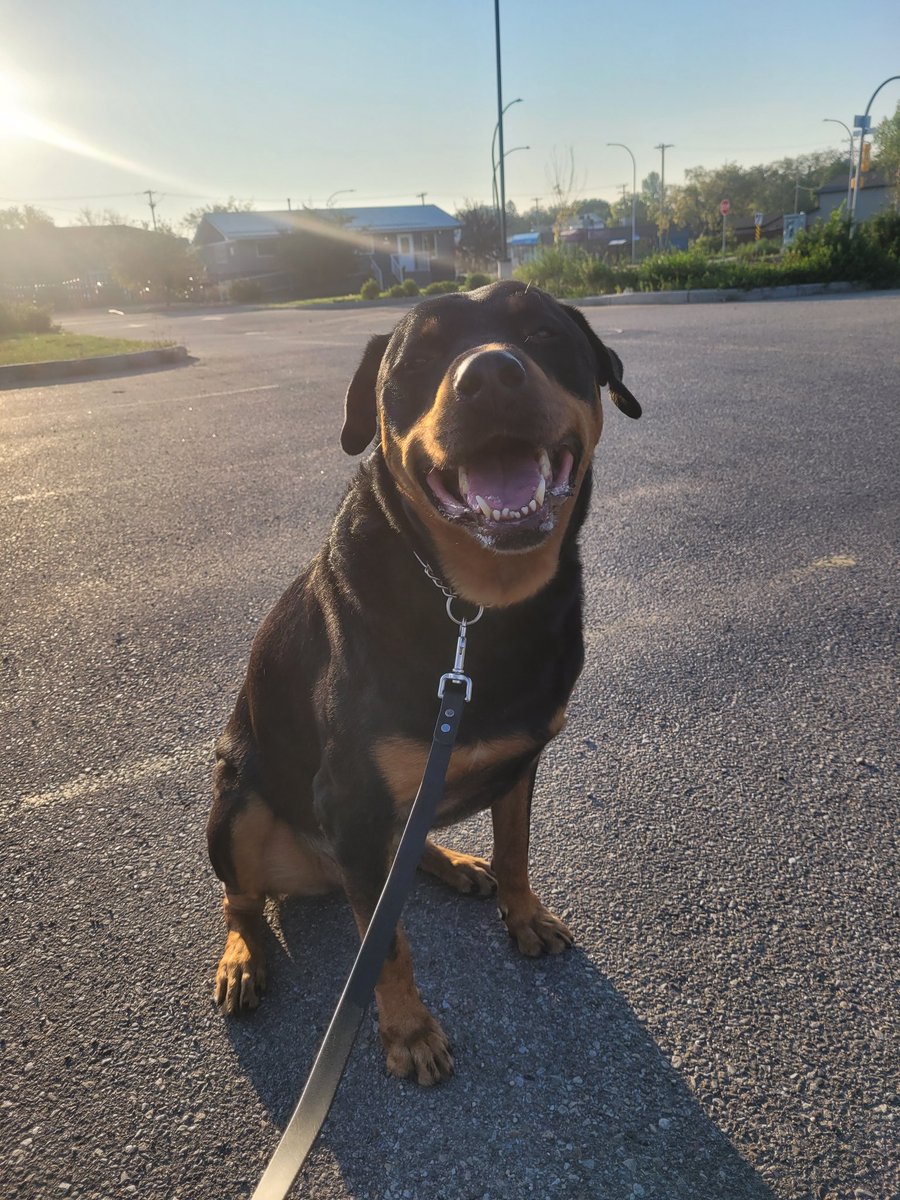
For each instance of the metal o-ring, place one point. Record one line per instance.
(460, 620)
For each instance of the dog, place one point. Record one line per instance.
(486, 408)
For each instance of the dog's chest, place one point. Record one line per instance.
(480, 771)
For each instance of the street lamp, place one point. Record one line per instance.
(862, 126)
(835, 121)
(497, 164)
(663, 147)
(339, 192)
(633, 191)
(506, 155)
(500, 112)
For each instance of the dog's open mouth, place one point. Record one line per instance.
(505, 486)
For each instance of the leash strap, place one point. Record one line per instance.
(321, 1086)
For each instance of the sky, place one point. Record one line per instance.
(303, 100)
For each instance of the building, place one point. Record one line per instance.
(875, 196)
(414, 241)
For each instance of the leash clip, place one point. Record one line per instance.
(458, 675)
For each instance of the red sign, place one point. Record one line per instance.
(725, 207)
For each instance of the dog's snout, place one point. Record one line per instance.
(488, 371)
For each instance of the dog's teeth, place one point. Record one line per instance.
(496, 514)
(525, 511)
(539, 494)
(483, 505)
(544, 464)
(533, 505)
(505, 513)
(463, 482)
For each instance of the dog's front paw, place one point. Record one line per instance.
(536, 930)
(241, 976)
(418, 1047)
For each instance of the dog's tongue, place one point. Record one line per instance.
(503, 481)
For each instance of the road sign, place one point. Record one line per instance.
(757, 219)
(725, 207)
(864, 123)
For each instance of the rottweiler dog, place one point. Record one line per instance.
(486, 410)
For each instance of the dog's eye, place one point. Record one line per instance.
(543, 334)
(415, 362)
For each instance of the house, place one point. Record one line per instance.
(875, 196)
(414, 241)
(525, 247)
(612, 242)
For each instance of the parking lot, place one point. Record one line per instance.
(717, 824)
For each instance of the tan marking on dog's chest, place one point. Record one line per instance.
(401, 761)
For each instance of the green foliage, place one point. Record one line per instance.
(157, 266)
(476, 279)
(25, 318)
(440, 287)
(410, 287)
(245, 291)
(825, 254)
(370, 290)
(24, 218)
(395, 291)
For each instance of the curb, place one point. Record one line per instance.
(78, 368)
(720, 295)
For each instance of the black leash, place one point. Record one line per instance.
(312, 1108)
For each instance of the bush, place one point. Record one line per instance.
(410, 287)
(440, 287)
(395, 291)
(475, 279)
(370, 290)
(25, 318)
(245, 291)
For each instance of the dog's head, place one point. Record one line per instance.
(488, 407)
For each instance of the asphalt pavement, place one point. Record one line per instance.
(717, 824)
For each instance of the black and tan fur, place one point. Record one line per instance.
(324, 752)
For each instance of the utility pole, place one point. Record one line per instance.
(663, 147)
(149, 194)
(289, 203)
(422, 196)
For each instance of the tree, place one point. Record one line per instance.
(479, 238)
(157, 261)
(27, 217)
(192, 219)
(320, 254)
(887, 148)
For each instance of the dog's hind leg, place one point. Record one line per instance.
(467, 874)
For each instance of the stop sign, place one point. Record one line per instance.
(725, 207)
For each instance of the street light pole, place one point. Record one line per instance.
(633, 191)
(339, 192)
(506, 155)
(494, 162)
(835, 121)
(862, 138)
(503, 248)
(663, 147)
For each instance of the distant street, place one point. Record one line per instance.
(717, 824)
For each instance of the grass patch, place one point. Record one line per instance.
(50, 347)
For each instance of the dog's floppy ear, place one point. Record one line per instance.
(609, 366)
(360, 415)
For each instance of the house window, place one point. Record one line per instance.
(428, 246)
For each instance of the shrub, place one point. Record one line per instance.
(245, 291)
(475, 279)
(25, 318)
(370, 290)
(410, 287)
(395, 291)
(440, 287)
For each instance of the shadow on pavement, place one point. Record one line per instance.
(558, 1091)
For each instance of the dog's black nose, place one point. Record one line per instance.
(486, 372)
